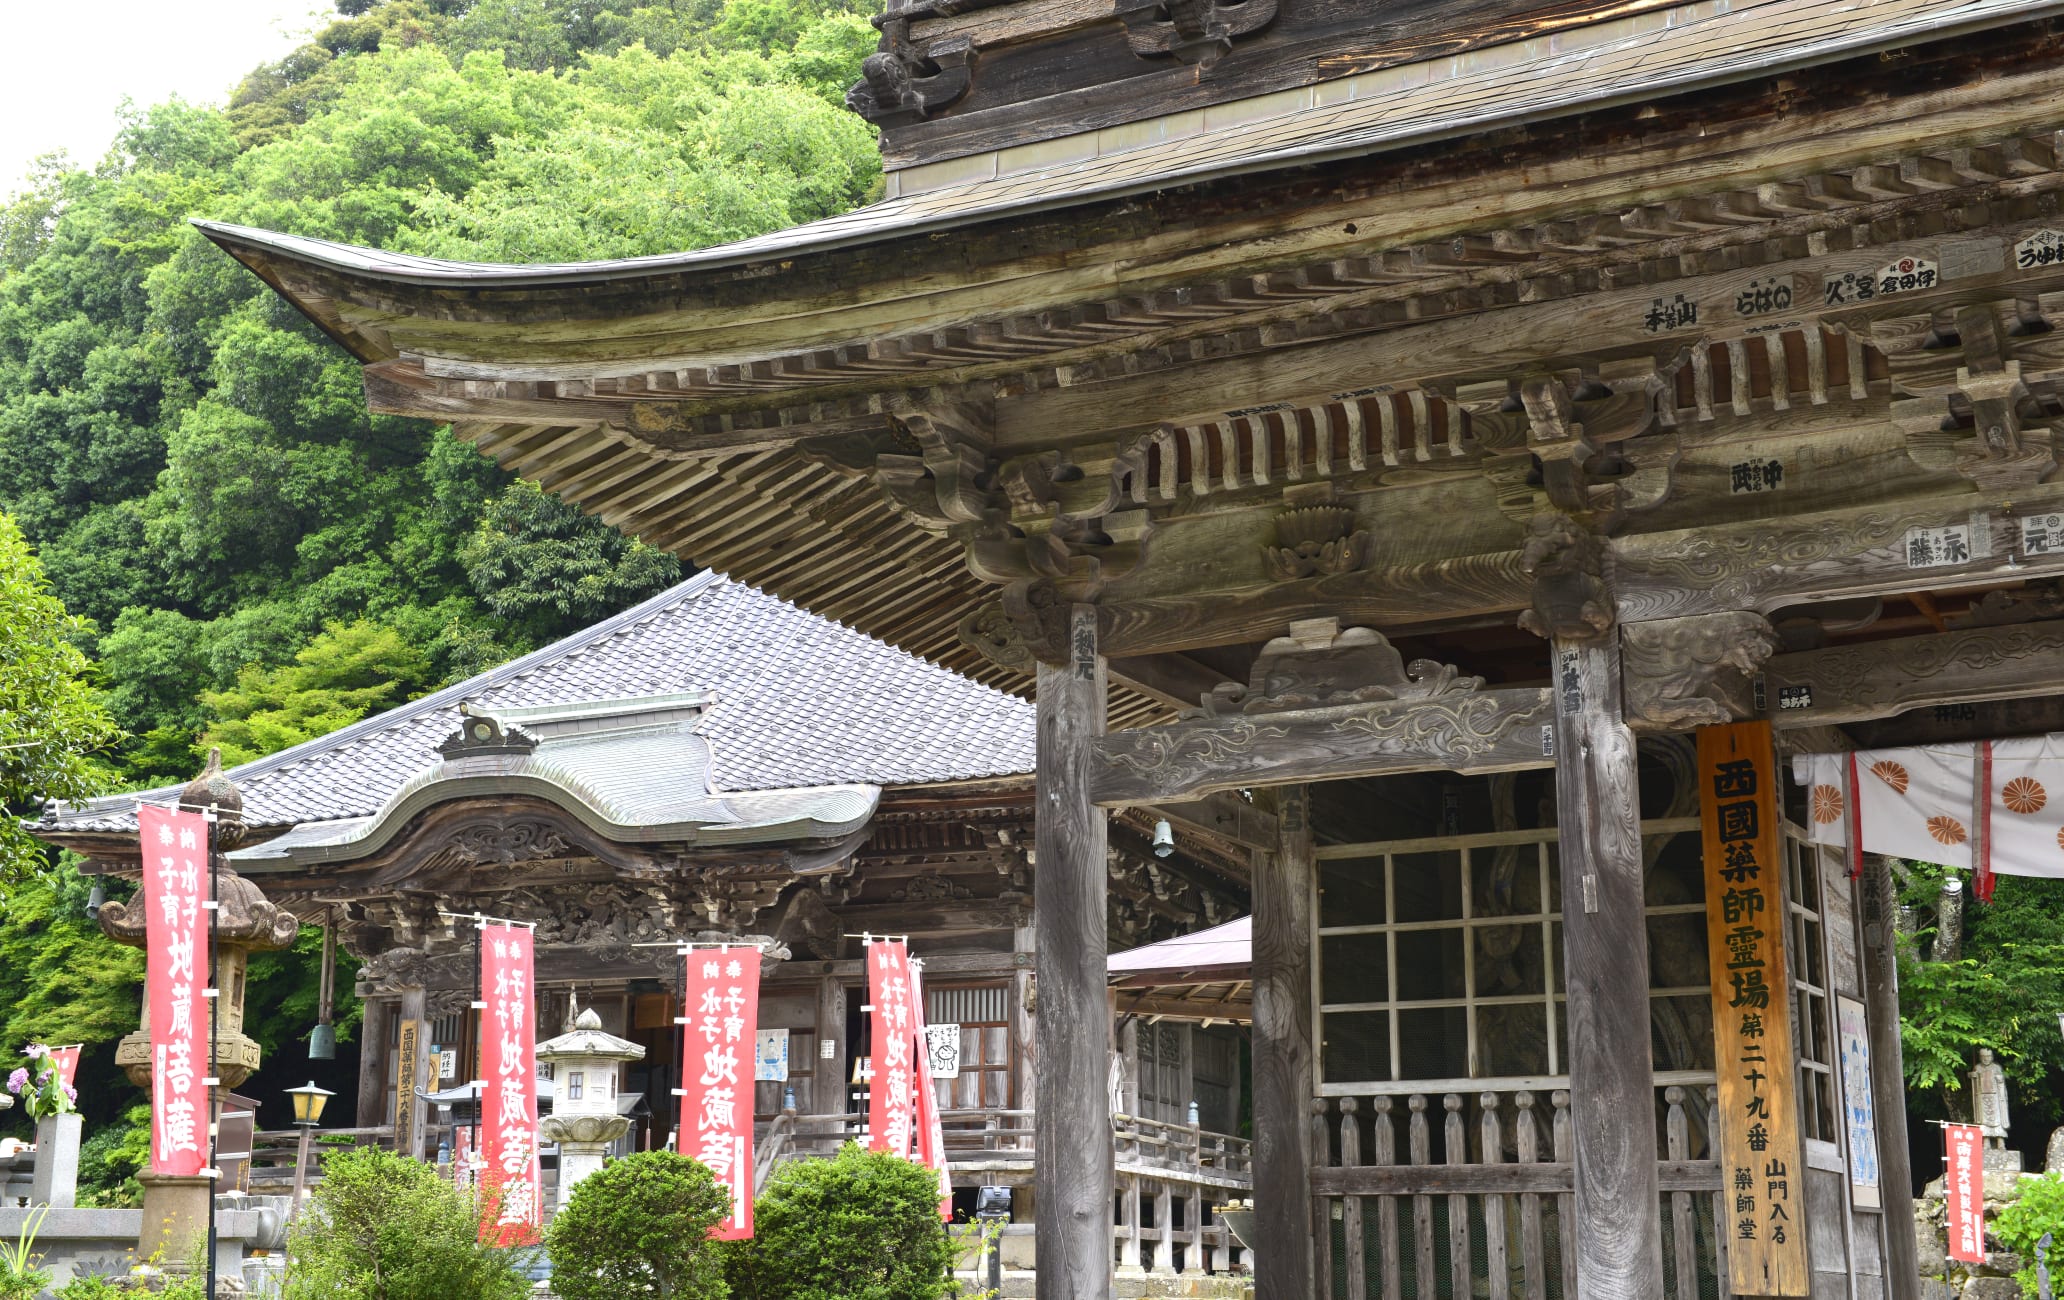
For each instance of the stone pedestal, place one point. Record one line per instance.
(56, 1182)
(175, 1221)
(584, 1141)
(1999, 1158)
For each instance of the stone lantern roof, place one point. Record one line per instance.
(588, 1039)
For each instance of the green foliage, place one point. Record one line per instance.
(860, 1226)
(2003, 994)
(50, 722)
(177, 1286)
(111, 1156)
(384, 1227)
(334, 681)
(2037, 1209)
(254, 556)
(20, 1279)
(640, 1227)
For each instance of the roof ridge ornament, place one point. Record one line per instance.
(480, 733)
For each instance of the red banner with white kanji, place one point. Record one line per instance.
(66, 1059)
(508, 1102)
(720, 1009)
(931, 1130)
(892, 1093)
(175, 885)
(1964, 1180)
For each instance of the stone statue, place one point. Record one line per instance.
(1989, 1098)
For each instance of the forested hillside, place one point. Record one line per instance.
(259, 560)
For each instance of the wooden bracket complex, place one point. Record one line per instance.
(1199, 32)
(899, 83)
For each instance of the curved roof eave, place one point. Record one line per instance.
(364, 836)
(1866, 32)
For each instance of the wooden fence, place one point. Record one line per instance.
(1428, 1194)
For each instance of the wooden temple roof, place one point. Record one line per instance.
(1071, 368)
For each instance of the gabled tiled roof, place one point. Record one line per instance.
(798, 702)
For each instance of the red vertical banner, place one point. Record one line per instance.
(931, 1131)
(720, 1003)
(891, 1095)
(175, 885)
(508, 1102)
(1964, 1180)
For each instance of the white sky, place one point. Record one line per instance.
(67, 64)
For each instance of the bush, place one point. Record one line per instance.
(383, 1227)
(861, 1226)
(2038, 1209)
(640, 1227)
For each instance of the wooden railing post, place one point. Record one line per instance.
(1072, 1153)
(1387, 1207)
(1351, 1206)
(1496, 1271)
(1288, 1239)
(1532, 1248)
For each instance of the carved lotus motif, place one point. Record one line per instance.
(2024, 795)
(1315, 540)
(1891, 774)
(1827, 804)
(1947, 830)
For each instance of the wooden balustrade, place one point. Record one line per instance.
(1444, 1192)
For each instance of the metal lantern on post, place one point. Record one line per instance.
(308, 1108)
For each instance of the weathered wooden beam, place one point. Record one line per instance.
(1465, 731)
(1617, 1233)
(1951, 723)
(1492, 1180)
(1879, 679)
(1238, 1011)
(1176, 680)
(1829, 555)
(1074, 1152)
(1284, 1083)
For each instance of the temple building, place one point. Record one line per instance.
(1447, 451)
(711, 764)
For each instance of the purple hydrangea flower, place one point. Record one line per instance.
(71, 1093)
(18, 1080)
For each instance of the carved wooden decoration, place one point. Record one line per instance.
(1693, 672)
(1318, 665)
(1462, 731)
(1567, 563)
(900, 83)
(1199, 32)
(1316, 539)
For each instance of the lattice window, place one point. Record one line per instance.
(983, 1013)
(1441, 959)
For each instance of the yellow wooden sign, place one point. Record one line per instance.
(1761, 1158)
(405, 1086)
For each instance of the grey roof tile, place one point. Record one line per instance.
(799, 702)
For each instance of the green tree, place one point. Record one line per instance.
(50, 722)
(640, 1227)
(334, 681)
(2004, 993)
(381, 1226)
(860, 1226)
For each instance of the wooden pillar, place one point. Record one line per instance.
(828, 1093)
(1283, 939)
(372, 1062)
(1618, 1227)
(1072, 1148)
(1888, 1078)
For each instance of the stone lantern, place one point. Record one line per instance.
(175, 1208)
(585, 1063)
